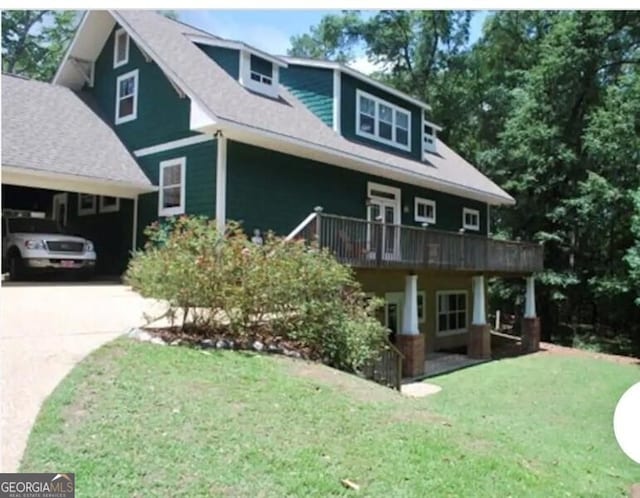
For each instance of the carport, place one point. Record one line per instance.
(60, 157)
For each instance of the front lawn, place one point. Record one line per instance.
(136, 419)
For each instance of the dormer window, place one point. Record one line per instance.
(261, 71)
(428, 137)
(120, 48)
(381, 121)
(259, 75)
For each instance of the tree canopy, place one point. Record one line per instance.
(34, 41)
(547, 104)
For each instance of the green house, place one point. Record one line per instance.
(304, 148)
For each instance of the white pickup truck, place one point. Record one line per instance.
(32, 243)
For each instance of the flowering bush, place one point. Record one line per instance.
(223, 282)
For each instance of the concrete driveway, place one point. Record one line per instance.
(45, 329)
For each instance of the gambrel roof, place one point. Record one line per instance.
(285, 122)
(49, 129)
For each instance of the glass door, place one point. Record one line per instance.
(383, 216)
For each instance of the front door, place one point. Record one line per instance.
(59, 210)
(388, 234)
(393, 313)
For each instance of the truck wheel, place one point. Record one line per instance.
(15, 267)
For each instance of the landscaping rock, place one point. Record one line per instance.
(221, 344)
(291, 353)
(158, 341)
(176, 342)
(272, 348)
(258, 346)
(140, 335)
(207, 344)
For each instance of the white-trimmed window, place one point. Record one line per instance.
(383, 122)
(86, 204)
(259, 74)
(425, 210)
(470, 219)
(171, 196)
(451, 312)
(109, 204)
(120, 48)
(127, 97)
(428, 137)
(381, 191)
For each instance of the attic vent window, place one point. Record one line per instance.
(260, 75)
(428, 137)
(120, 48)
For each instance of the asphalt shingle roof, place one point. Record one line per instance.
(49, 128)
(287, 117)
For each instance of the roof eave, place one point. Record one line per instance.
(276, 141)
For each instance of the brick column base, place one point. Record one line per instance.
(530, 335)
(412, 347)
(479, 345)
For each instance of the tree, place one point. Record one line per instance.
(332, 39)
(34, 41)
(547, 104)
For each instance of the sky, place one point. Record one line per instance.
(270, 30)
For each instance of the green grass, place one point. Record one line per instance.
(141, 420)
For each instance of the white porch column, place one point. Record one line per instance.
(134, 234)
(479, 311)
(221, 183)
(410, 309)
(530, 299)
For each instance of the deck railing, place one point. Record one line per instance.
(387, 368)
(362, 243)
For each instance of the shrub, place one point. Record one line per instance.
(223, 282)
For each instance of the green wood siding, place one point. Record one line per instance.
(274, 191)
(348, 121)
(227, 58)
(313, 87)
(110, 233)
(200, 189)
(162, 115)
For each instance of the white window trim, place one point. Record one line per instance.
(116, 62)
(428, 202)
(86, 211)
(376, 122)
(131, 74)
(371, 186)
(465, 212)
(437, 313)
(244, 78)
(428, 148)
(172, 211)
(109, 209)
(397, 298)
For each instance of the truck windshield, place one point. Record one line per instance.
(33, 225)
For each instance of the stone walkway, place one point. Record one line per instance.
(440, 363)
